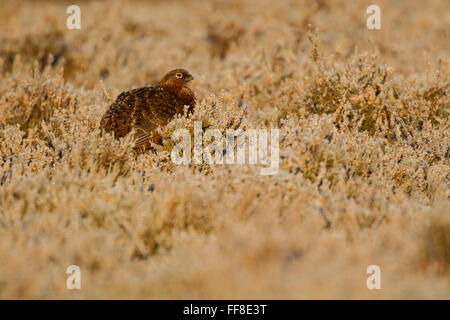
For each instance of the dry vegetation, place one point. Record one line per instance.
(364, 145)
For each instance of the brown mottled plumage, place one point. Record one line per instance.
(145, 109)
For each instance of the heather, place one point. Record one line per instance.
(364, 151)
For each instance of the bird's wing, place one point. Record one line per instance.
(155, 109)
(144, 110)
(119, 118)
(142, 139)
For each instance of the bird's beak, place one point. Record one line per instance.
(189, 78)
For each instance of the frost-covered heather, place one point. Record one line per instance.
(364, 151)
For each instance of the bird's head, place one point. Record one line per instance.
(175, 80)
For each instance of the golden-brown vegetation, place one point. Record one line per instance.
(364, 151)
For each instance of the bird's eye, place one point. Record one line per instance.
(179, 75)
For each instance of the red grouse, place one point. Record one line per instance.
(145, 109)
